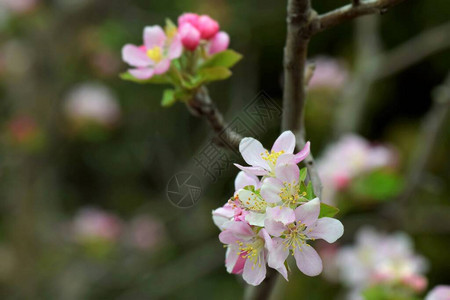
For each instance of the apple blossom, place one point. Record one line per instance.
(207, 26)
(262, 162)
(294, 236)
(377, 258)
(329, 73)
(190, 36)
(155, 55)
(440, 292)
(219, 43)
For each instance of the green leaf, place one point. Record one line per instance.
(303, 173)
(226, 59)
(155, 79)
(327, 210)
(168, 98)
(378, 185)
(214, 74)
(310, 191)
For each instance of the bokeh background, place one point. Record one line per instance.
(85, 157)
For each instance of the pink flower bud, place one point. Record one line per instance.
(190, 36)
(416, 282)
(219, 42)
(190, 18)
(207, 27)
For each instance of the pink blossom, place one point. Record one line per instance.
(23, 128)
(246, 252)
(440, 292)
(329, 73)
(262, 162)
(219, 43)
(190, 36)
(154, 57)
(93, 224)
(92, 102)
(293, 236)
(207, 26)
(189, 18)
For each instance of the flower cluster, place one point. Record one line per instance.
(185, 56)
(383, 260)
(347, 159)
(270, 217)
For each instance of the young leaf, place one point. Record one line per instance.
(310, 191)
(168, 98)
(327, 210)
(303, 173)
(226, 59)
(214, 74)
(155, 79)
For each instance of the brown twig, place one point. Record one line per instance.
(201, 105)
(414, 50)
(349, 12)
(433, 123)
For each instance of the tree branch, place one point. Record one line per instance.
(433, 123)
(423, 45)
(201, 105)
(349, 12)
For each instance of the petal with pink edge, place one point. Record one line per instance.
(302, 154)
(135, 57)
(252, 151)
(308, 213)
(244, 179)
(274, 228)
(142, 73)
(270, 190)
(254, 273)
(162, 67)
(154, 36)
(175, 48)
(285, 142)
(308, 261)
(285, 159)
(288, 173)
(227, 237)
(231, 258)
(240, 230)
(281, 214)
(258, 171)
(328, 229)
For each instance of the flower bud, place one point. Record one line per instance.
(190, 18)
(190, 36)
(219, 42)
(207, 27)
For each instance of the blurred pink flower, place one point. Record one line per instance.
(146, 232)
(92, 102)
(190, 36)
(219, 43)
(95, 224)
(23, 128)
(155, 55)
(207, 26)
(19, 6)
(348, 158)
(378, 258)
(440, 292)
(329, 73)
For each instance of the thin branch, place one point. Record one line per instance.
(434, 122)
(349, 12)
(202, 106)
(410, 52)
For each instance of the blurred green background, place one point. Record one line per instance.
(52, 166)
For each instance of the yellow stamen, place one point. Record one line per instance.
(155, 54)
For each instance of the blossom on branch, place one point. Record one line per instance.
(268, 218)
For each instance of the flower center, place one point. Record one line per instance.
(271, 157)
(251, 250)
(253, 202)
(295, 237)
(289, 194)
(155, 54)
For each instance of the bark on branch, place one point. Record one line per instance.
(201, 105)
(349, 12)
